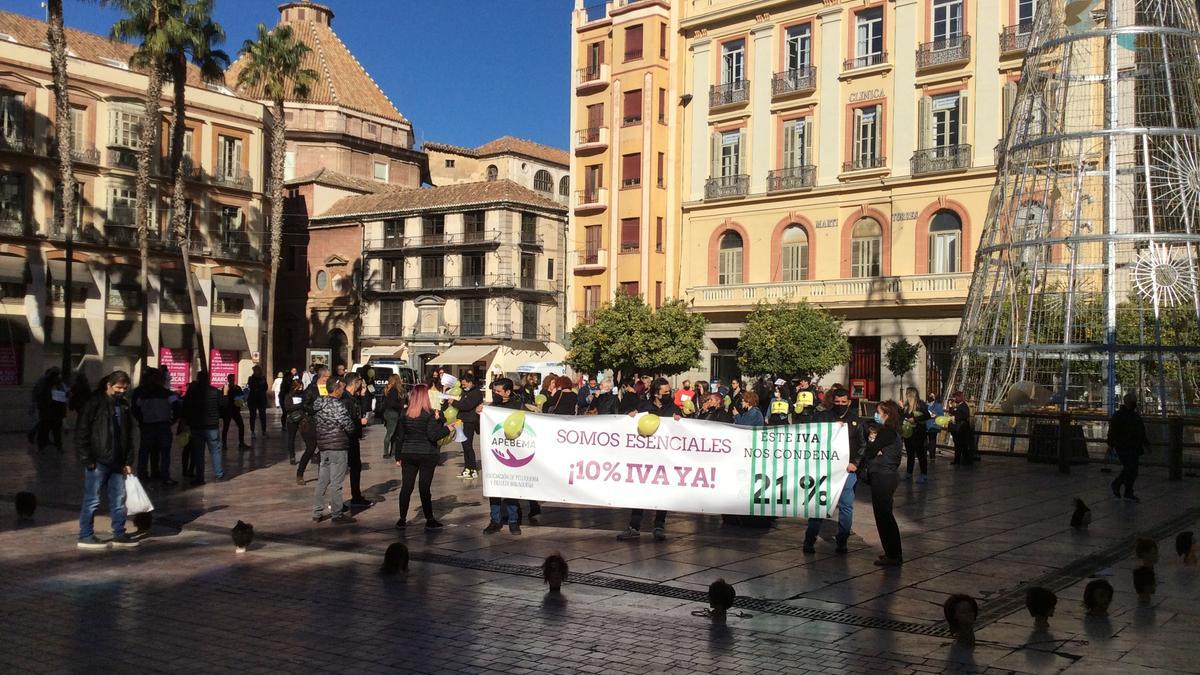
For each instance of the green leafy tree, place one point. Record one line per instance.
(900, 359)
(790, 339)
(275, 67)
(628, 337)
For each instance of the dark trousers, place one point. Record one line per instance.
(185, 453)
(290, 429)
(1129, 471)
(310, 448)
(635, 518)
(468, 446)
(512, 507)
(915, 446)
(354, 458)
(931, 438)
(413, 468)
(154, 453)
(964, 453)
(883, 489)
(235, 417)
(47, 428)
(258, 412)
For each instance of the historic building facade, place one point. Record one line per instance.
(225, 183)
(840, 153)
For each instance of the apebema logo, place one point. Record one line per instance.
(512, 453)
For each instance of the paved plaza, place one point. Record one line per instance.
(307, 597)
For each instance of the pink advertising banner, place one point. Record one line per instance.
(222, 363)
(178, 363)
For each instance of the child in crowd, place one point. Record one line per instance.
(1040, 602)
(961, 613)
(1097, 596)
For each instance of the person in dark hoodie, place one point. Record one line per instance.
(468, 406)
(629, 401)
(155, 408)
(104, 446)
(202, 411)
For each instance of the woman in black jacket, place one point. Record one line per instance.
(292, 403)
(390, 408)
(416, 442)
(962, 431)
(880, 457)
(916, 414)
(561, 401)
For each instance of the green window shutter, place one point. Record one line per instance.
(925, 123)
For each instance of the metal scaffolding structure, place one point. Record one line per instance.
(1085, 279)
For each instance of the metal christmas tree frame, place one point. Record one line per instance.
(1085, 281)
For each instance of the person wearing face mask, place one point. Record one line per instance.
(806, 400)
(629, 400)
(604, 402)
(104, 446)
(840, 411)
(779, 411)
(662, 404)
(713, 409)
(880, 456)
(748, 413)
(931, 428)
(469, 405)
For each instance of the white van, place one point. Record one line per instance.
(377, 371)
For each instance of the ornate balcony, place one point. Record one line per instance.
(594, 200)
(729, 94)
(949, 51)
(590, 140)
(791, 178)
(941, 159)
(725, 187)
(865, 61)
(123, 158)
(1015, 39)
(912, 290)
(17, 141)
(865, 164)
(232, 177)
(14, 225)
(121, 235)
(591, 78)
(476, 239)
(794, 81)
(591, 261)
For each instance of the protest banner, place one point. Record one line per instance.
(685, 465)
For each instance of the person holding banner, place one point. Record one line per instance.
(839, 412)
(662, 404)
(880, 458)
(468, 411)
(503, 396)
(604, 402)
(806, 400)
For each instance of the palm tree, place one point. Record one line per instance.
(147, 21)
(56, 38)
(194, 36)
(275, 66)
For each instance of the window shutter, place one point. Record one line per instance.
(807, 151)
(789, 143)
(716, 155)
(925, 123)
(237, 155)
(1010, 100)
(857, 135)
(741, 153)
(963, 139)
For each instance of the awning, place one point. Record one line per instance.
(14, 329)
(383, 351)
(123, 333)
(510, 359)
(232, 338)
(463, 355)
(81, 334)
(12, 269)
(176, 336)
(80, 274)
(227, 285)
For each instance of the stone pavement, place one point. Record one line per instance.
(307, 597)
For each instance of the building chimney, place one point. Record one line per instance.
(305, 10)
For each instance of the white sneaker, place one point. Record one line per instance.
(474, 473)
(466, 473)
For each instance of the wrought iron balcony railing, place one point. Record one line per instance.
(123, 158)
(724, 187)
(865, 163)
(795, 81)
(233, 177)
(591, 137)
(865, 61)
(1015, 38)
(791, 178)
(730, 93)
(940, 159)
(950, 50)
(17, 141)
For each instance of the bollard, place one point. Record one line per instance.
(1064, 442)
(1175, 449)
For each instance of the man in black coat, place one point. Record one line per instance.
(317, 387)
(353, 400)
(202, 412)
(1127, 437)
(104, 446)
(660, 403)
(503, 396)
(468, 406)
(842, 412)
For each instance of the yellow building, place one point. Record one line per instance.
(841, 153)
(622, 112)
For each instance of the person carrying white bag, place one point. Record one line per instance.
(136, 499)
(104, 446)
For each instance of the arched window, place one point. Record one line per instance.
(729, 259)
(543, 181)
(564, 186)
(492, 173)
(866, 244)
(945, 237)
(794, 243)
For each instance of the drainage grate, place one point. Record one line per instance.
(1082, 568)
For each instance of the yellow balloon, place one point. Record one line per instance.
(451, 414)
(540, 400)
(514, 425)
(648, 424)
(943, 420)
(688, 407)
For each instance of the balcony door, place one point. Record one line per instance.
(799, 48)
(591, 247)
(947, 23)
(733, 62)
(593, 180)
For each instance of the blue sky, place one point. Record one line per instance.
(464, 71)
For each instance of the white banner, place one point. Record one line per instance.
(689, 465)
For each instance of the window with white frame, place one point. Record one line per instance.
(730, 158)
(945, 122)
(866, 137)
(868, 48)
(12, 116)
(947, 22)
(229, 225)
(12, 198)
(126, 128)
(122, 205)
(798, 48)
(794, 254)
(945, 235)
(380, 171)
(866, 245)
(729, 259)
(1026, 9)
(796, 143)
(78, 128)
(289, 165)
(733, 62)
(229, 158)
